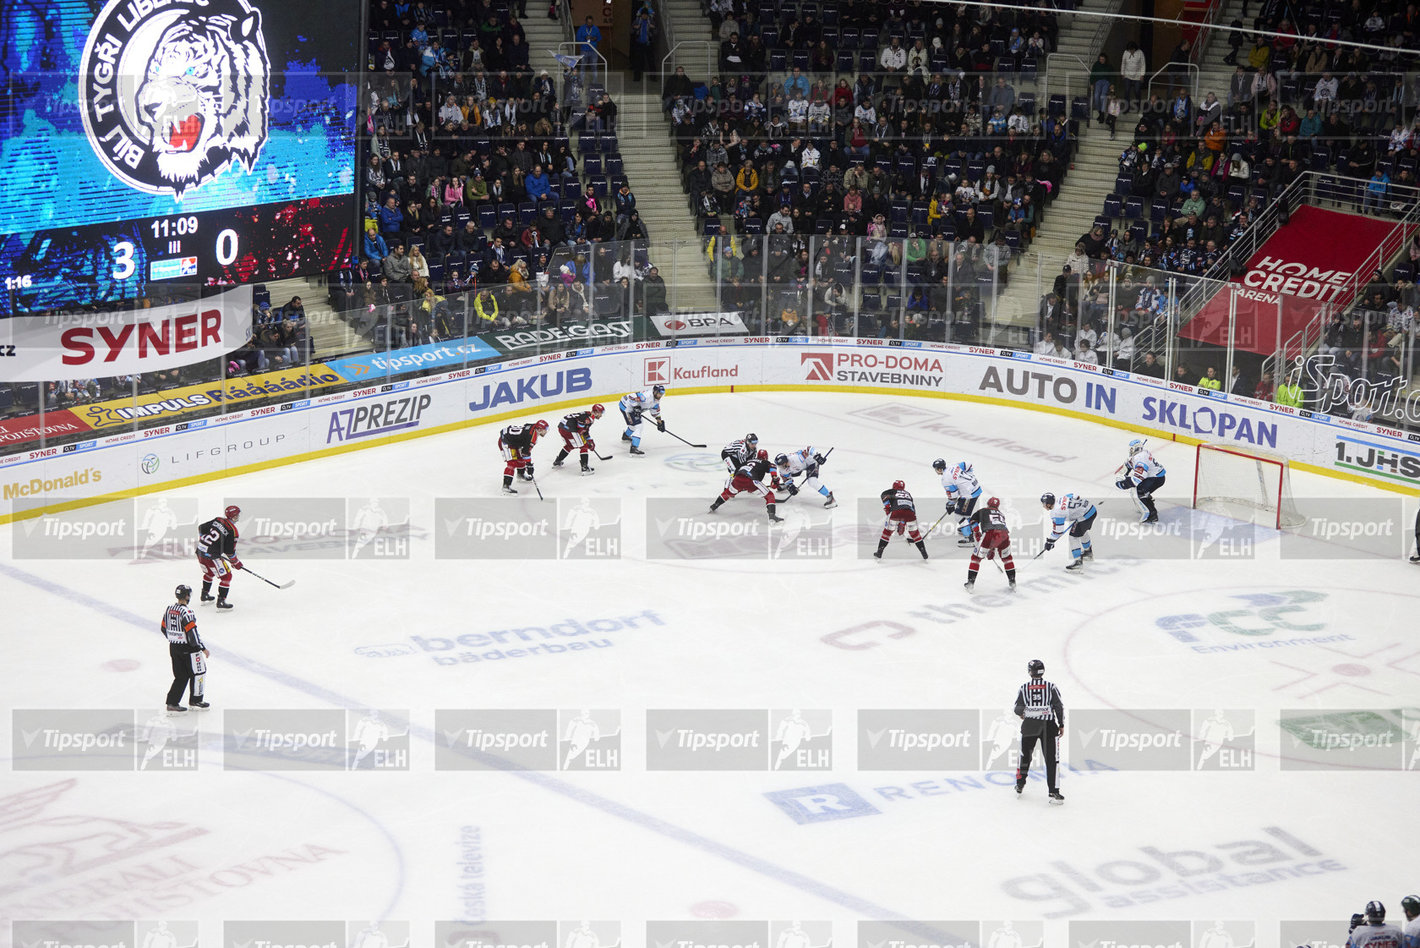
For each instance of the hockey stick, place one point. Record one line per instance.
(286, 585)
(600, 456)
(665, 430)
(536, 488)
(934, 526)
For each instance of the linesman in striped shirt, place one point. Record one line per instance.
(179, 627)
(1042, 717)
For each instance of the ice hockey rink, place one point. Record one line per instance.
(425, 635)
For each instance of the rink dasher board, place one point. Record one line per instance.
(181, 453)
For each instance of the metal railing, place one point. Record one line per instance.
(1168, 78)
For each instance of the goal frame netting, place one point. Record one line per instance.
(1245, 483)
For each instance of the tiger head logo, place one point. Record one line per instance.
(174, 98)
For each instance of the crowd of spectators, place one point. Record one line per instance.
(495, 195)
(894, 134)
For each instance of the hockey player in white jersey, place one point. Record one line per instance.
(805, 461)
(633, 406)
(1375, 933)
(1073, 515)
(1143, 475)
(1411, 906)
(963, 491)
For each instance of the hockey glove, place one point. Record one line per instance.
(818, 458)
(1050, 543)
(236, 563)
(791, 487)
(951, 506)
(591, 445)
(661, 425)
(1123, 483)
(901, 526)
(528, 469)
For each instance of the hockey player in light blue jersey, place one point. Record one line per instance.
(1074, 515)
(804, 461)
(963, 491)
(636, 404)
(1143, 475)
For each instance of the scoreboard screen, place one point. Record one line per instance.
(152, 142)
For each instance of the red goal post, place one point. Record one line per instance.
(1246, 484)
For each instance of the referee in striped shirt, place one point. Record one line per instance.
(1042, 717)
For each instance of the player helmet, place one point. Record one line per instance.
(899, 485)
(763, 455)
(1136, 446)
(1036, 668)
(993, 503)
(782, 460)
(1411, 903)
(939, 465)
(598, 410)
(751, 438)
(183, 593)
(1047, 500)
(541, 425)
(1375, 912)
(232, 512)
(658, 390)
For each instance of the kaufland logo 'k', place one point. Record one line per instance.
(658, 371)
(820, 366)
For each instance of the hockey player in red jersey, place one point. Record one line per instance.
(516, 442)
(757, 475)
(993, 538)
(576, 432)
(901, 514)
(217, 554)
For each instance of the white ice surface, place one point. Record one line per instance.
(636, 845)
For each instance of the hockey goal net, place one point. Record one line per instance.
(1245, 484)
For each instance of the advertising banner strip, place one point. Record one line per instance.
(123, 461)
(376, 365)
(176, 402)
(102, 345)
(1310, 261)
(18, 431)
